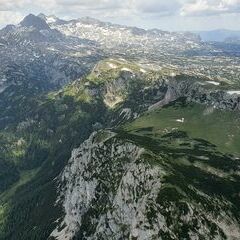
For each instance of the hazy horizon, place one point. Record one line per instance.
(173, 15)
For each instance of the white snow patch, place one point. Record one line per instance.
(214, 83)
(51, 48)
(143, 70)
(126, 69)
(51, 20)
(111, 65)
(182, 120)
(122, 59)
(233, 92)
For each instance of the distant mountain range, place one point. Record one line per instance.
(219, 35)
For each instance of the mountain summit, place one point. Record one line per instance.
(34, 21)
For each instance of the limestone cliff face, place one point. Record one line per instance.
(97, 174)
(112, 188)
(197, 92)
(162, 91)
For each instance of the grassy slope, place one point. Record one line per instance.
(221, 128)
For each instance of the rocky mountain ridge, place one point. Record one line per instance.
(154, 125)
(119, 199)
(127, 198)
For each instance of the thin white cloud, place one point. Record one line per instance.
(132, 7)
(150, 13)
(91, 4)
(210, 7)
(156, 6)
(10, 17)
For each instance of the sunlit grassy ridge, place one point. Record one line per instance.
(221, 128)
(110, 69)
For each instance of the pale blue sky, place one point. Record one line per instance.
(162, 14)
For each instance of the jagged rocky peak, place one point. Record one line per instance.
(42, 16)
(34, 21)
